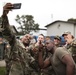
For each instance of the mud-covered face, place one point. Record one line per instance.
(28, 36)
(25, 40)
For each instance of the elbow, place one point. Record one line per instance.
(72, 65)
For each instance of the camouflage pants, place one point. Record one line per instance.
(34, 73)
(16, 69)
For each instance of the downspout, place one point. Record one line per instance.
(74, 29)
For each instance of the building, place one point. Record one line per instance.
(59, 27)
(33, 33)
(40, 31)
(14, 30)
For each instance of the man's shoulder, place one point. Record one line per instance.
(74, 41)
(61, 50)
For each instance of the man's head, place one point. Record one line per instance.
(66, 33)
(57, 40)
(26, 39)
(47, 38)
(49, 45)
(28, 36)
(68, 36)
(40, 38)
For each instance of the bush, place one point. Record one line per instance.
(2, 70)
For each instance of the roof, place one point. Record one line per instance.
(14, 29)
(42, 29)
(58, 21)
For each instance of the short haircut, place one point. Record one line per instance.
(41, 34)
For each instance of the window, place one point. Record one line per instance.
(58, 26)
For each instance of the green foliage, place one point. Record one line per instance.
(2, 70)
(27, 24)
(72, 20)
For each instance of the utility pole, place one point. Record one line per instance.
(51, 17)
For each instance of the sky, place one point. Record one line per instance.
(43, 11)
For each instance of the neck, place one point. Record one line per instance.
(25, 44)
(53, 49)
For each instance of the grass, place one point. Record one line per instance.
(2, 70)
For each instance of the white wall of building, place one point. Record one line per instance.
(59, 28)
(74, 33)
(44, 32)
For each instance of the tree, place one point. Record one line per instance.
(72, 20)
(27, 24)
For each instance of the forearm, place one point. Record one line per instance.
(7, 32)
(40, 60)
(70, 70)
(5, 21)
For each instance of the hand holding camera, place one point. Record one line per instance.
(9, 6)
(5, 8)
(15, 6)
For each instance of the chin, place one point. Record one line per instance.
(48, 50)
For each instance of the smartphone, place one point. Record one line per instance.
(15, 6)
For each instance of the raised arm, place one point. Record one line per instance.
(7, 32)
(42, 63)
(5, 21)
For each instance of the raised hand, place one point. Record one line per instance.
(40, 46)
(6, 8)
